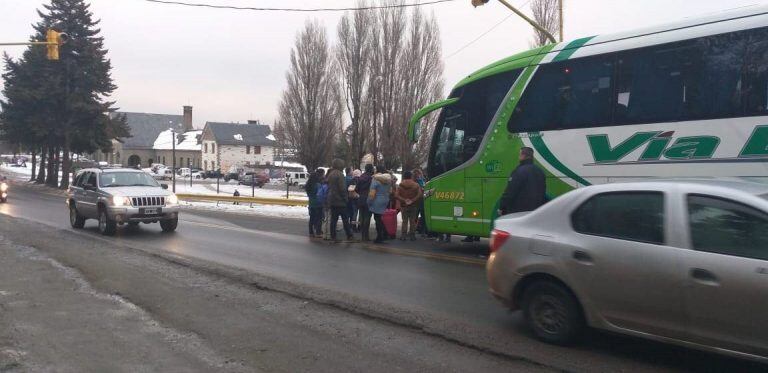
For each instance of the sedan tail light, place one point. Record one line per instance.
(498, 238)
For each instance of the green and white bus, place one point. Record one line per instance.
(681, 100)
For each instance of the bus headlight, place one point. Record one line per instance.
(120, 201)
(171, 200)
(3, 187)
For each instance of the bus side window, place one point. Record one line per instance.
(687, 80)
(567, 94)
(755, 87)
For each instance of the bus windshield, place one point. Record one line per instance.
(461, 126)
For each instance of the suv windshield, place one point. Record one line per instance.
(122, 179)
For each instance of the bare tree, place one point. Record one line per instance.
(310, 108)
(422, 82)
(546, 13)
(387, 53)
(353, 53)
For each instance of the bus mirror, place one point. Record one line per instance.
(413, 133)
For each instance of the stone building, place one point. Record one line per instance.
(145, 130)
(227, 145)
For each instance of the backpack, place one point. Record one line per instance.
(322, 193)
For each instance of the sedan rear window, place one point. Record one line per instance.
(632, 216)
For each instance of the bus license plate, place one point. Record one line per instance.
(150, 211)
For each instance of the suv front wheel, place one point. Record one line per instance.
(107, 226)
(76, 220)
(169, 225)
(553, 313)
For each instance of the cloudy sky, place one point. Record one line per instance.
(230, 65)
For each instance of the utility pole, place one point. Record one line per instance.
(561, 20)
(533, 23)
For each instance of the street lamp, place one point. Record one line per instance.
(173, 154)
(533, 23)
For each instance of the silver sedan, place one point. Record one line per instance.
(683, 262)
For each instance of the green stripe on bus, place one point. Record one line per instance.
(571, 48)
(543, 150)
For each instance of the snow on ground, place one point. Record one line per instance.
(18, 170)
(289, 212)
(229, 188)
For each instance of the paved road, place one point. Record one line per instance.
(438, 289)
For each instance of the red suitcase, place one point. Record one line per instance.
(390, 221)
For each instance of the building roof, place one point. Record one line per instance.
(241, 134)
(146, 127)
(191, 140)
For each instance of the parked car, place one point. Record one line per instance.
(684, 262)
(120, 196)
(298, 179)
(212, 174)
(231, 176)
(258, 179)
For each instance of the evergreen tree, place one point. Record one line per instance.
(70, 95)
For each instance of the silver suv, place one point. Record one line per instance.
(120, 196)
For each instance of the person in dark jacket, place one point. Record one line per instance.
(526, 188)
(315, 206)
(362, 188)
(337, 198)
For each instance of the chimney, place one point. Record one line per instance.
(250, 121)
(187, 118)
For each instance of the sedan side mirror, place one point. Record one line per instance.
(89, 187)
(164, 186)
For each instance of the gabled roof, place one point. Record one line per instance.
(241, 134)
(146, 127)
(191, 140)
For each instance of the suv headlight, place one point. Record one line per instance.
(3, 187)
(171, 200)
(121, 201)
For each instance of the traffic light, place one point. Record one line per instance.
(54, 40)
(477, 3)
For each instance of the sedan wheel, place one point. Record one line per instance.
(552, 313)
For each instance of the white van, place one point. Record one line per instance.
(298, 179)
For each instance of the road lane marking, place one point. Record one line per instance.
(371, 247)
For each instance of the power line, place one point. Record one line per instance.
(232, 7)
(485, 33)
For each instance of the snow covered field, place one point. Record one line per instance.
(229, 188)
(289, 212)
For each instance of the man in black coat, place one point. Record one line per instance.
(527, 187)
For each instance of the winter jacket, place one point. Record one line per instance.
(312, 195)
(526, 189)
(337, 189)
(378, 196)
(322, 194)
(408, 190)
(362, 187)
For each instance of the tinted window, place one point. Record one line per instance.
(568, 94)
(755, 91)
(634, 216)
(79, 179)
(91, 179)
(461, 126)
(726, 227)
(694, 79)
(719, 76)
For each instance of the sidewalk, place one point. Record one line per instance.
(53, 320)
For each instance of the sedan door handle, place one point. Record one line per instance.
(704, 276)
(582, 257)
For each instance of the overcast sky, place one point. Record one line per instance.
(230, 65)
